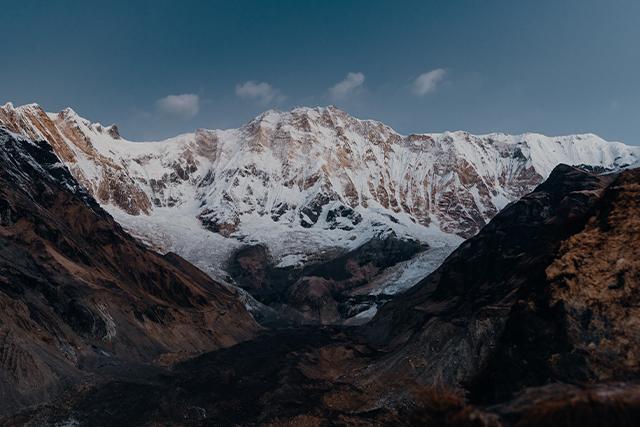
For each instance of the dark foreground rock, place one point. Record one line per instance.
(306, 377)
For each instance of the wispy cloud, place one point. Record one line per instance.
(186, 105)
(428, 82)
(347, 86)
(260, 92)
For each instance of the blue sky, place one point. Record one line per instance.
(158, 68)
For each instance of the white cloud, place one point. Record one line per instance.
(427, 82)
(350, 83)
(261, 92)
(186, 105)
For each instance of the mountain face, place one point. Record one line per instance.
(78, 295)
(532, 322)
(291, 191)
(547, 292)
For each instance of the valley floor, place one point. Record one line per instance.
(309, 376)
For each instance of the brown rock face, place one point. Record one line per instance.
(77, 292)
(545, 292)
(34, 123)
(596, 278)
(68, 141)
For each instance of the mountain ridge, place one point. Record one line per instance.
(78, 293)
(305, 183)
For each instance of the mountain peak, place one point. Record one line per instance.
(68, 112)
(29, 106)
(113, 131)
(11, 107)
(317, 120)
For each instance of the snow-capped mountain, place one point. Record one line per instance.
(304, 182)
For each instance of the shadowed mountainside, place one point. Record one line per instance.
(77, 293)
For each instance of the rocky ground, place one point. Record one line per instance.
(321, 292)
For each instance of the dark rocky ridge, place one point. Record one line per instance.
(78, 293)
(505, 312)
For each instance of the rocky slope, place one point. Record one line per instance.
(304, 187)
(532, 322)
(544, 293)
(78, 295)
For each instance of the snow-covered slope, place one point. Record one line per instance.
(304, 182)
